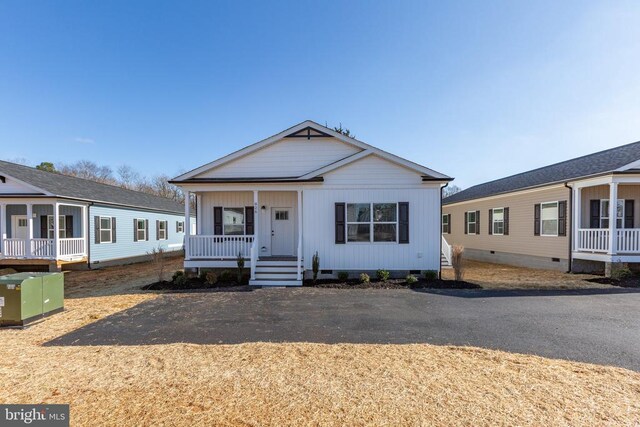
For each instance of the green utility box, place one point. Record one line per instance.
(25, 297)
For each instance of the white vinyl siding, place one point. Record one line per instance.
(372, 171)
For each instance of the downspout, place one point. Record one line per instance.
(571, 207)
(88, 230)
(440, 232)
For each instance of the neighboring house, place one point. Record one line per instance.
(310, 189)
(556, 217)
(97, 225)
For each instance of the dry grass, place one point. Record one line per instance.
(498, 276)
(299, 384)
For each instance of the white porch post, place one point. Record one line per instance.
(56, 230)
(613, 217)
(29, 229)
(577, 216)
(3, 227)
(85, 229)
(298, 265)
(256, 233)
(187, 222)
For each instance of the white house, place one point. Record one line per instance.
(310, 189)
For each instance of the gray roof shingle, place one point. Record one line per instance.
(83, 189)
(592, 164)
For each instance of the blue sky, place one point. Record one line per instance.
(477, 90)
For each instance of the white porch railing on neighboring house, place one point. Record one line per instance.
(446, 250)
(628, 240)
(42, 248)
(593, 239)
(72, 246)
(14, 248)
(219, 246)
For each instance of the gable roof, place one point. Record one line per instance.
(616, 159)
(311, 129)
(58, 185)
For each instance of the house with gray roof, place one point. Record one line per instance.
(558, 216)
(97, 224)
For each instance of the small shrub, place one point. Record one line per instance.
(364, 278)
(343, 275)
(158, 258)
(180, 280)
(382, 275)
(225, 276)
(211, 278)
(457, 261)
(203, 275)
(411, 279)
(315, 266)
(430, 275)
(240, 268)
(177, 274)
(621, 273)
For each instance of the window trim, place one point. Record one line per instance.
(244, 220)
(446, 216)
(110, 229)
(475, 222)
(60, 229)
(607, 211)
(371, 223)
(494, 222)
(557, 203)
(166, 229)
(144, 229)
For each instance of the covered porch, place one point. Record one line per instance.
(606, 231)
(28, 230)
(262, 226)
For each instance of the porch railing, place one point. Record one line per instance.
(72, 246)
(43, 248)
(219, 246)
(593, 239)
(628, 240)
(446, 250)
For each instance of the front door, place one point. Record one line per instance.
(19, 227)
(282, 232)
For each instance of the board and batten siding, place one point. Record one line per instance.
(125, 246)
(287, 157)
(421, 253)
(521, 239)
(240, 199)
(11, 186)
(600, 192)
(372, 170)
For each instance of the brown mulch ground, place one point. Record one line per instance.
(498, 276)
(297, 383)
(390, 284)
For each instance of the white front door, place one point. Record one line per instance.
(282, 232)
(19, 227)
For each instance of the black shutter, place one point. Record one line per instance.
(68, 225)
(477, 222)
(157, 229)
(217, 220)
(490, 232)
(628, 213)
(44, 227)
(177, 222)
(113, 229)
(595, 214)
(536, 219)
(96, 229)
(166, 229)
(449, 230)
(466, 222)
(135, 230)
(403, 222)
(248, 221)
(562, 218)
(340, 221)
(146, 229)
(506, 221)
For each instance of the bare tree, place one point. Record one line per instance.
(450, 190)
(128, 177)
(89, 170)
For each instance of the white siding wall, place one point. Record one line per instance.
(287, 157)
(424, 231)
(372, 170)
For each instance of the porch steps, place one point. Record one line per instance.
(278, 272)
(444, 263)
